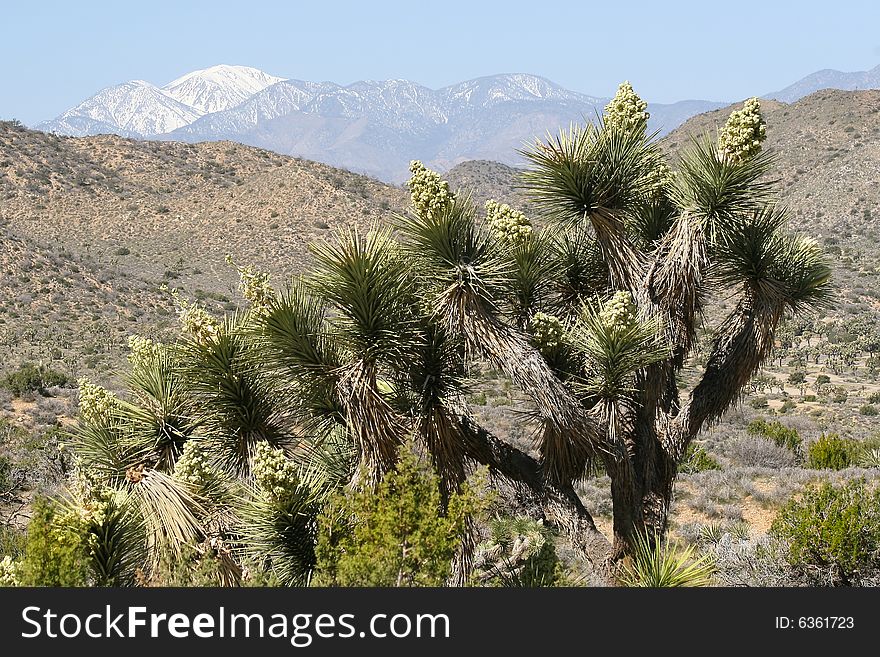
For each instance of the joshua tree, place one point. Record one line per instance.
(237, 432)
(596, 314)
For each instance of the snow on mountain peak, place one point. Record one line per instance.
(219, 87)
(135, 107)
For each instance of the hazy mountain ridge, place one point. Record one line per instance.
(374, 127)
(378, 127)
(828, 79)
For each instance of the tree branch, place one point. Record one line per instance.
(562, 506)
(740, 346)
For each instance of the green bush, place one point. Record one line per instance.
(33, 378)
(832, 532)
(830, 452)
(874, 398)
(868, 409)
(759, 402)
(55, 555)
(697, 459)
(397, 535)
(777, 432)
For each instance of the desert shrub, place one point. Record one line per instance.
(796, 378)
(55, 555)
(759, 402)
(33, 378)
(761, 562)
(12, 542)
(787, 405)
(833, 532)
(697, 459)
(868, 409)
(782, 436)
(839, 395)
(758, 451)
(830, 452)
(397, 535)
(874, 398)
(5, 473)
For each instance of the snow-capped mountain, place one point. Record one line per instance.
(374, 127)
(131, 109)
(489, 91)
(277, 100)
(377, 127)
(391, 103)
(219, 88)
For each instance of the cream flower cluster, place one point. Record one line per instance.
(547, 330)
(193, 467)
(194, 320)
(8, 572)
(143, 350)
(95, 403)
(659, 177)
(198, 323)
(509, 225)
(429, 192)
(274, 472)
(254, 285)
(83, 517)
(619, 311)
(745, 130)
(626, 110)
(84, 483)
(91, 512)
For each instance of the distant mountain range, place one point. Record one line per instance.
(828, 79)
(370, 127)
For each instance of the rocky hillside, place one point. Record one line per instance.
(130, 216)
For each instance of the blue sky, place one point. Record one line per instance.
(55, 54)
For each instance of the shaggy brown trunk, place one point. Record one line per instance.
(641, 492)
(643, 474)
